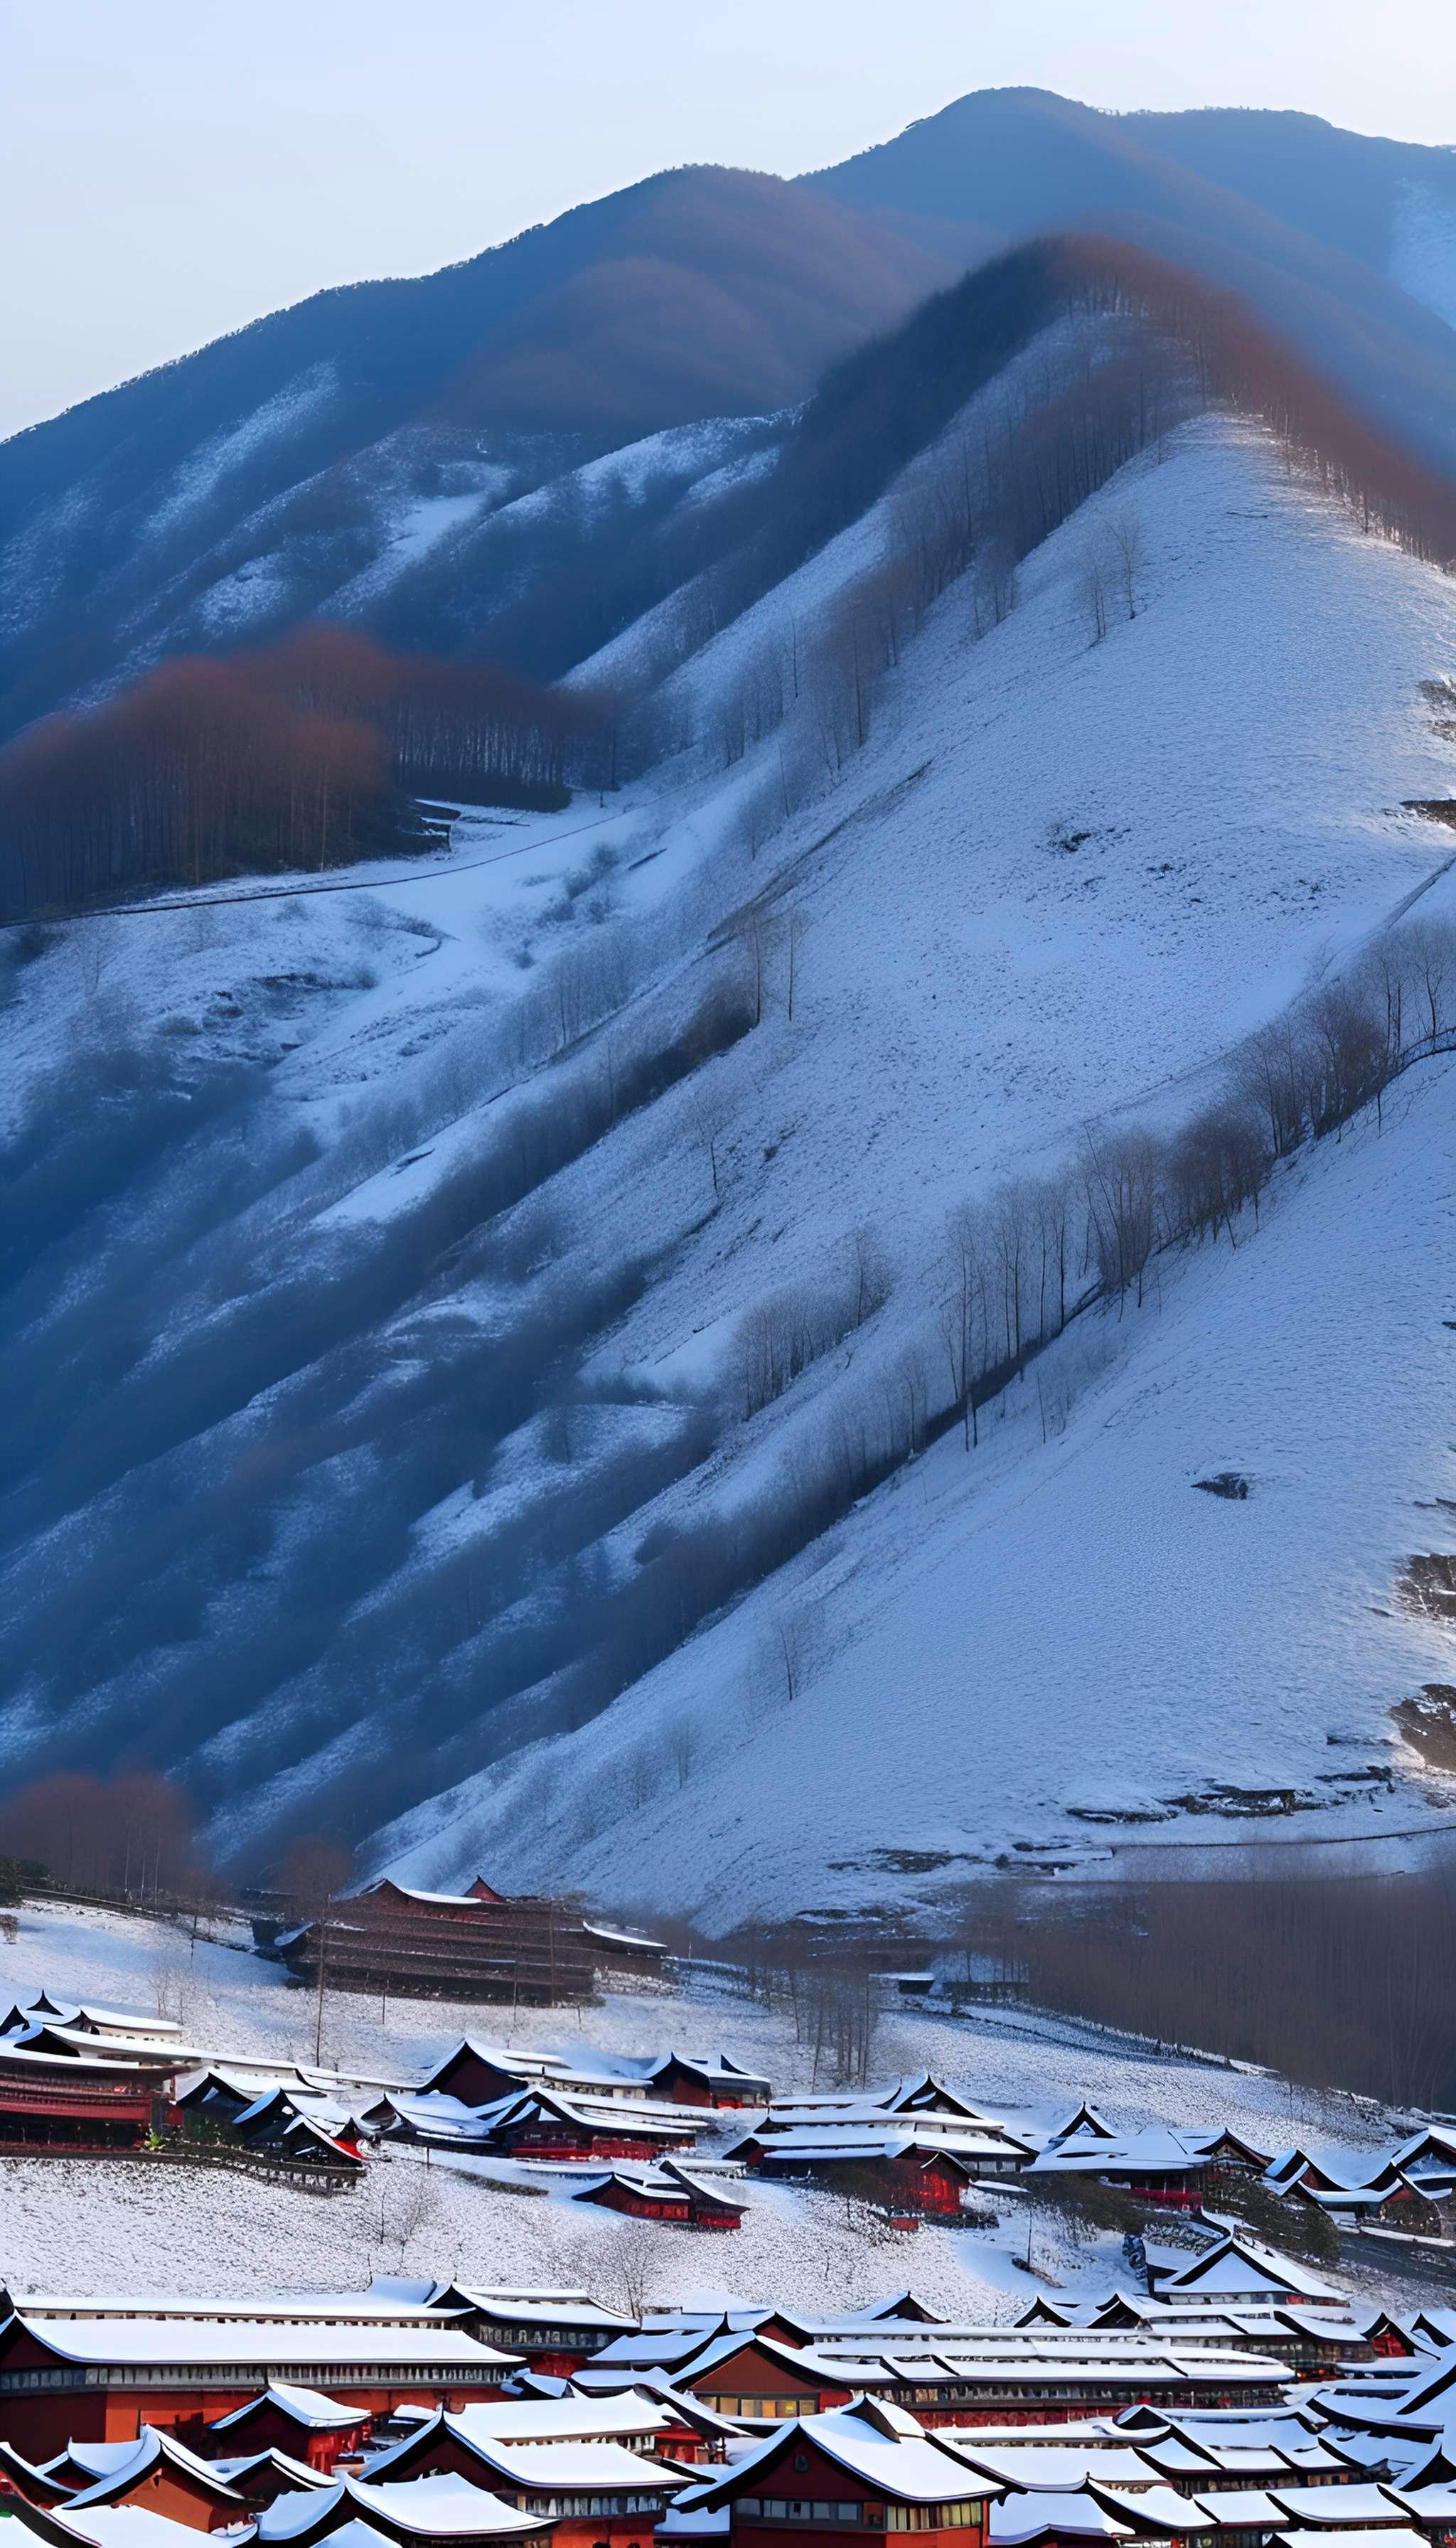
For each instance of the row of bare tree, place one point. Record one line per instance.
(978, 502)
(133, 1835)
(1338, 1982)
(1013, 1269)
(782, 1334)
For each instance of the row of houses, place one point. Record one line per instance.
(403, 2415)
(119, 2363)
(665, 2132)
(105, 2079)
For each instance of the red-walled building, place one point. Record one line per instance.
(666, 2193)
(595, 2494)
(100, 2378)
(752, 2376)
(87, 2105)
(159, 2475)
(868, 2468)
(303, 2422)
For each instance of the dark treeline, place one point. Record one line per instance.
(467, 729)
(979, 502)
(134, 1833)
(1337, 1982)
(303, 754)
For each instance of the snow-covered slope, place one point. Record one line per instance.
(345, 1478)
(223, 2234)
(1069, 1626)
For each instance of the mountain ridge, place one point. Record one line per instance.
(281, 471)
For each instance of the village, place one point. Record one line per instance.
(1240, 2402)
(666, 2135)
(1253, 2349)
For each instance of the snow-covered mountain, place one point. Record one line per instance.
(474, 1367)
(407, 455)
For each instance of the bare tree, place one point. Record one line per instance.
(870, 1272)
(993, 588)
(710, 1112)
(1120, 1182)
(1127, 553)
(1013, 1223)
(963, 1261)
(797, 923)
(1091, 589)
(682, 1746)
(1270, 1072)
(758, 934)
(1429, 949)
(799, 1637)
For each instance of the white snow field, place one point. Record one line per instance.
(1058, 885)
(89, 2226)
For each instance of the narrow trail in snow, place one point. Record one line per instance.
(347, 884)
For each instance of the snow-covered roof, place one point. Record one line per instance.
(48, 2035)
(890, 2462)
(276, 2342)
(536, 2420)
(151, 2450)
(1049, 2468)
(909, 2140)
(1399, 2535)
(127, 2021)
(1155, 2152)
(298, 2472)
(1017, 2519)
(443, 2507)
(623, 1937)
(301, 2405)
(116, 2526)
(568, 2465)
(1237, 2265)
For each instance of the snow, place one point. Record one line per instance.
(79, 2226)
(969, 995)
(128, 2525)
(1058, 883)
(198, 478)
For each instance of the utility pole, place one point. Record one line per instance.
(323, 1959)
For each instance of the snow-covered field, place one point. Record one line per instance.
(80, 2226)
(1059, 882)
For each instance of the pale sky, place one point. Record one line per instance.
(172, 169)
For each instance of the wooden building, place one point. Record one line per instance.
(909, 2177)
(667, 2193)
(100, 2378)
(524, 1949)
(160, 2475)
(555, 2332)
(482, 2074)
(542, 2123)
(303, 2422)
(864, 2468)
(420, 2512)
(751, 2377)
(53, 2097)
(590, 2491)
